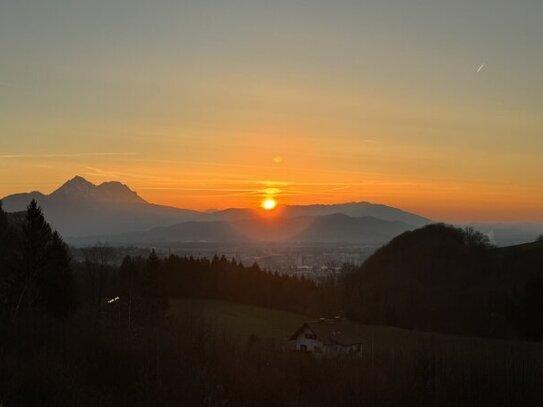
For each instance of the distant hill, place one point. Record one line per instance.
(359, 209)
(353, 209)
(82, 209)
(335, 228)
(343, 228)
(524, 259)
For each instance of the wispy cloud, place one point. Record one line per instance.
(66, 155)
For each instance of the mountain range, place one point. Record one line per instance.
(80, 208)
(85, 213)
(336, 228)
(111, 211)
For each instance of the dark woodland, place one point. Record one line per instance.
(100, 331)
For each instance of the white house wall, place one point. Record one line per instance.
(310, 344)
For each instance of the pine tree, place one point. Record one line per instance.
(44, 280)
(127, 274)
(155, 300)
(57, 285)
(35, 239)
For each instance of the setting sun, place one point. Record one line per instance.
(269, 204)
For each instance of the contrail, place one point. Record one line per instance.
(480, 68)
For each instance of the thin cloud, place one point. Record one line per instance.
(70, 155)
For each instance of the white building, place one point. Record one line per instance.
(332, 335)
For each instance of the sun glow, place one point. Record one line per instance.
(268, 204)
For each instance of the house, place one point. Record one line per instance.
(327, 335)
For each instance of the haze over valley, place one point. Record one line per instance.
(113, 213)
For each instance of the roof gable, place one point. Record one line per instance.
(330, 331)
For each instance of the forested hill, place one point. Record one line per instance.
(527, 255)
(441, 278)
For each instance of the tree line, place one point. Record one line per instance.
(137, 279)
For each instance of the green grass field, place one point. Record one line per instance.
(241, 321)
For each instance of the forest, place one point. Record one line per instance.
(97, 333)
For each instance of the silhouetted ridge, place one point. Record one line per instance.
(339, 227)
(436, 278)
(80, 208)
(79, 188)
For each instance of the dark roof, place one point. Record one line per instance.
(331, 331)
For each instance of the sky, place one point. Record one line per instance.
(432, 106)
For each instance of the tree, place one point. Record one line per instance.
(35, 239)
(43, 279)
(475, 239)
(127, 274)
(57, 284)
(155, 299)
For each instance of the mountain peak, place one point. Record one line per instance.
(78, 188)
(75, 186)
(118, 189)
(78, 179)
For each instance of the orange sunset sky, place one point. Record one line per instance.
(434, 108)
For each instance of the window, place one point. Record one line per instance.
(310, 336)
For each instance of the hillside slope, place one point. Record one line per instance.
(443, 279)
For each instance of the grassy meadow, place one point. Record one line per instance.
(240, 321)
